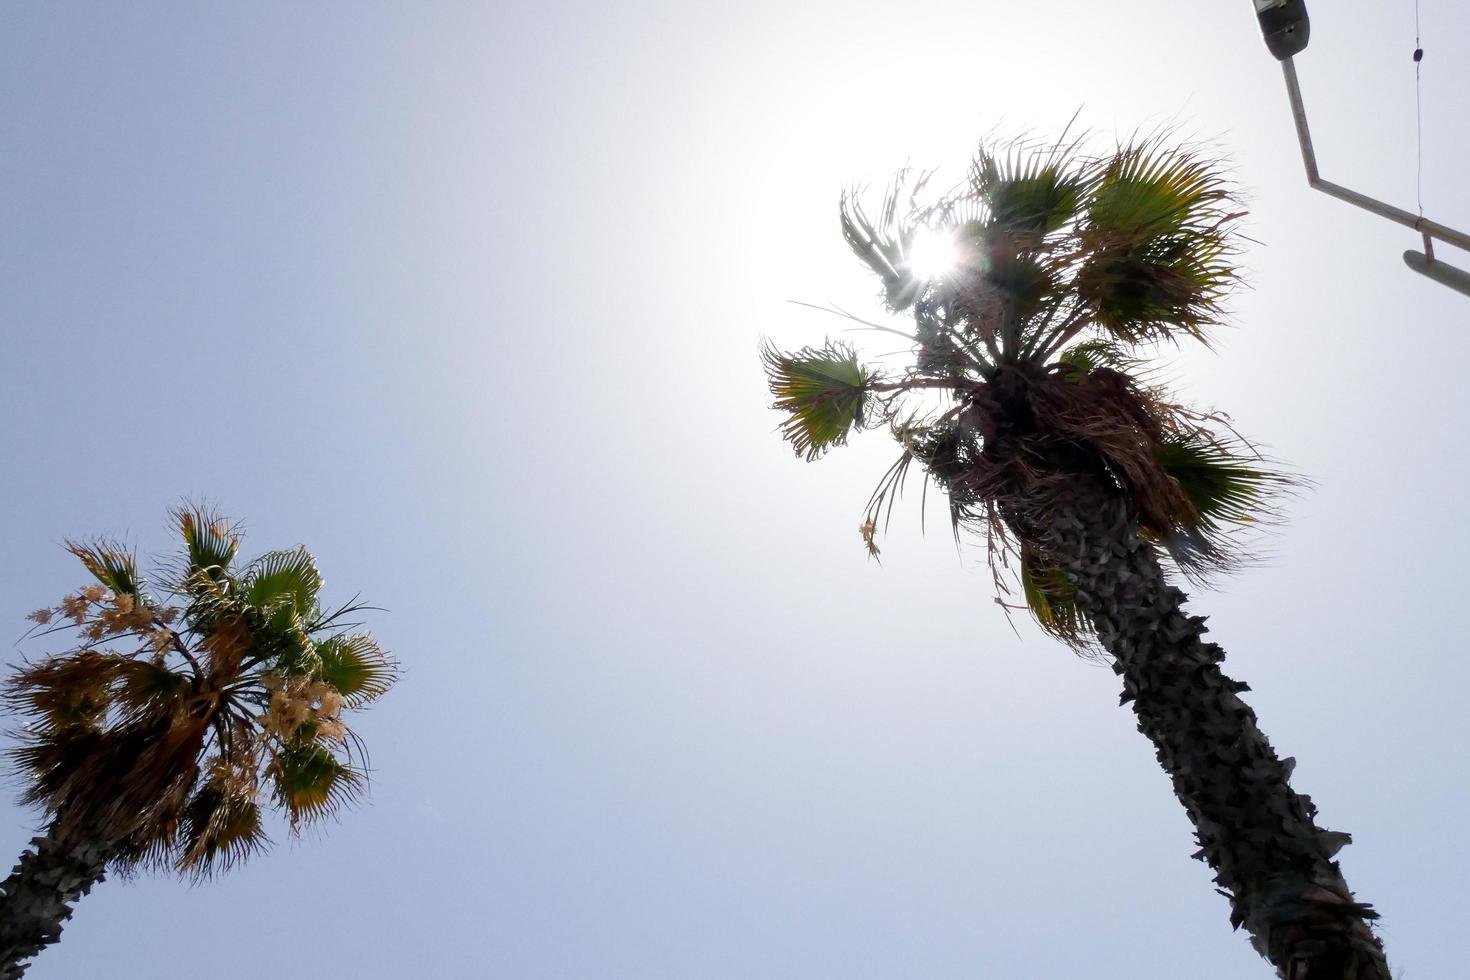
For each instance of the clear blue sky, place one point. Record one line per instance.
(466, 298)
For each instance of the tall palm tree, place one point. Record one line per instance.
(149, 743)
(1029, 402)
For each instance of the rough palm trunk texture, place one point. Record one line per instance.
(1257, 833)
(37, 897)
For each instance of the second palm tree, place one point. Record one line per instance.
(149, 744)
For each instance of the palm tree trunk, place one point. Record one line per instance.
(1270, 858)
(37, 897)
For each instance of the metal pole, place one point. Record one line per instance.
(1430, 229)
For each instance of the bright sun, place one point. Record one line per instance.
(933, 253)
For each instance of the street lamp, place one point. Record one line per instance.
(1285, 25)
(1286, 29)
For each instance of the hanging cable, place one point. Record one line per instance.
(1418, 116)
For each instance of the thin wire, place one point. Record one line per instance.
(1418, 116)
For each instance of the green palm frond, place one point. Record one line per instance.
(210, 542)
(281, 640)
(1052, 599)
(283, 577)
(355, 665)
(1081, 359)
(1229, 491)
(1149, 188)
(1158, 239)
(311, 782)
(111, 564)
(1029, 189)
(1158, 289)
(1223, 485)
(218, 830)
(822, 390)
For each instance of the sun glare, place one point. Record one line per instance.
(933, 253)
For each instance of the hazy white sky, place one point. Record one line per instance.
(466, 297)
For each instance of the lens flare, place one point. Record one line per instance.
(933, 254)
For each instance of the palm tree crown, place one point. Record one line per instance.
(1068, 272)
(158, 733)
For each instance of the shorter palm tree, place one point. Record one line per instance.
(148, 745)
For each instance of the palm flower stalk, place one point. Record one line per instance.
(1031, 403)
(158, 740)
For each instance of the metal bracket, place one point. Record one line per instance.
(1422, 262)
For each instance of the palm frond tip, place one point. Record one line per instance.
(822, 390)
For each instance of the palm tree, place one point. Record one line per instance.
(148, 744)
(1029, 403)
